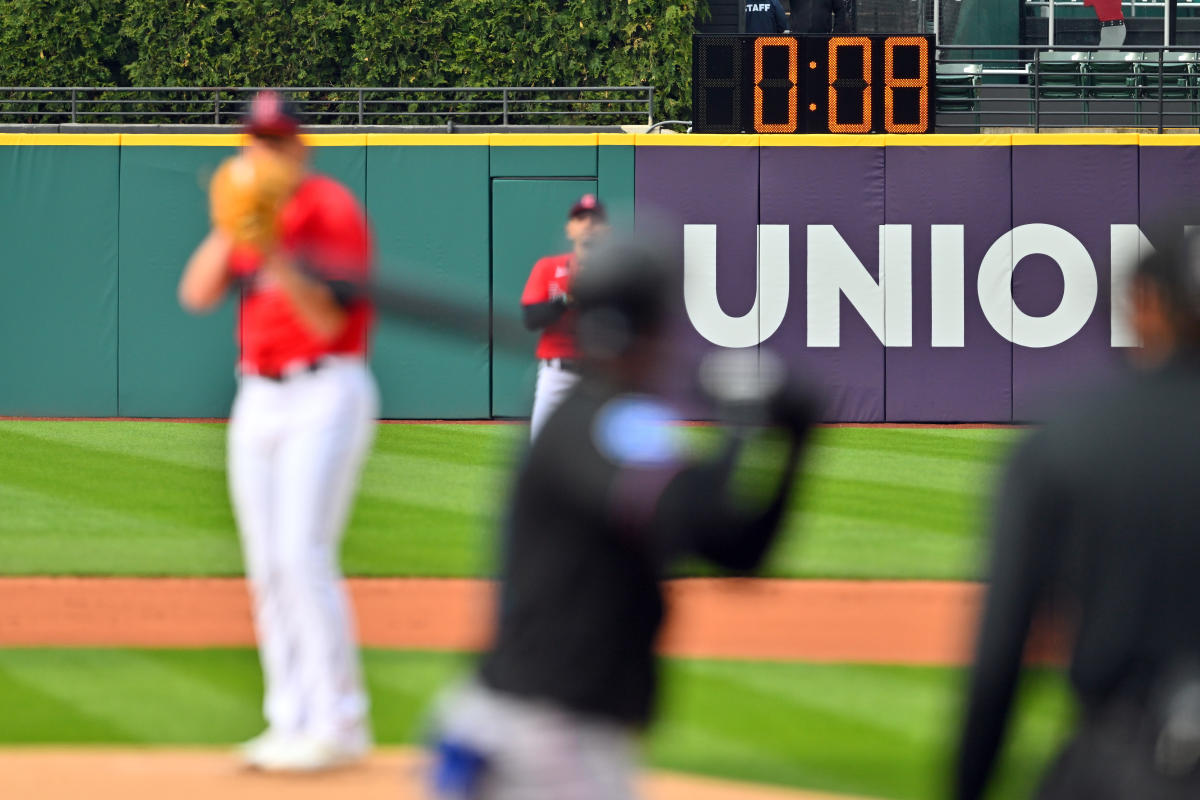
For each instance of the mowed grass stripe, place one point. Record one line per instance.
(388, 538)
(858, 729)
(875, 730)
(196, 444)
(38, 717)
(39, 527)
(490, 445)
(139, 693)
(830, 546)
(964, 444)
(890, 467)
(149, 498)
(104, 478)
(434, 483)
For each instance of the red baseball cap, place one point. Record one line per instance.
(271, 114)
(588, 204)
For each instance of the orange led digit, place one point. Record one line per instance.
(813, 83)
(891, 83)
(792, 95)
(851, 127)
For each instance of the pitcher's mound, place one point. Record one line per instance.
(194, 774)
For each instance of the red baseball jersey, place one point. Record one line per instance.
(1106, 10)
(549, 279)
(323, 227)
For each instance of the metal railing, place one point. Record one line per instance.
(414, 106)
(978, 88)
(1038, 88)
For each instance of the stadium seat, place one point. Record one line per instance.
(1180, 77)
(1111, 74)
(957, 86)
(1060, 74)
(1178, 70)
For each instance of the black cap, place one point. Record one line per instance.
(272, 114)
(588, 204)
(623, 294)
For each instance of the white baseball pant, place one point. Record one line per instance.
(296, 447)
(553, 383)
(1112, 35)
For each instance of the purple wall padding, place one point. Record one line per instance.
(973, 189)
(678, 186)
(1169, 184)
(1085, 190)
(801, 186)
(999, 197)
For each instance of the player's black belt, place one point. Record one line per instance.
(567, 364)
(1110, 23)
(291, 371)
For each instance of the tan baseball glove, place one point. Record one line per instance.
(246, 194)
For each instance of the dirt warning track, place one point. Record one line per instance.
(196, 774)
(898, 622)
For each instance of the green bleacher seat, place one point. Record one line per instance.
(1111, 74)
(957, 86)
(1178, 70)
(1060, 74)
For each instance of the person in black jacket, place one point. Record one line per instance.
(765, 16)
(824, 16)
(605, 500)
(1098, 524)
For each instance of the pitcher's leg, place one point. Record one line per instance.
(320, 465)
(252, 486)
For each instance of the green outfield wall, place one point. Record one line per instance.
(97, 227)
(1003, 250)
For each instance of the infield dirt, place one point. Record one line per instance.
(193, 774)
(895, 622)
(899, 622)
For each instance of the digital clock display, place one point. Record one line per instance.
(812, 84)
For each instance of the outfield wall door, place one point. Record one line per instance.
(528, 220)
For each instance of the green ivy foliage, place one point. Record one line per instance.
(61, 42)
(389, 43)
(238, 42)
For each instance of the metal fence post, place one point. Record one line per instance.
(1037, 92)
(74, 97)
(360, 106)
(1160, 90)
(216, 106)
(504, 106)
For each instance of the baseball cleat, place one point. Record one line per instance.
(253, 751)
(312, 754)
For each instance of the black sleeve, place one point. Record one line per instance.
(1026, 528)
(781, 23)
(539, 315)
(345, 293)
(698, 513)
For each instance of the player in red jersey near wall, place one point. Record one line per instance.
(1112, 21)
(546, 305)
(291, 243)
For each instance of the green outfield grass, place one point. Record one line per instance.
(873, 730)
(149, 498)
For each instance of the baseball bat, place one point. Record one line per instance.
(413, 303)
